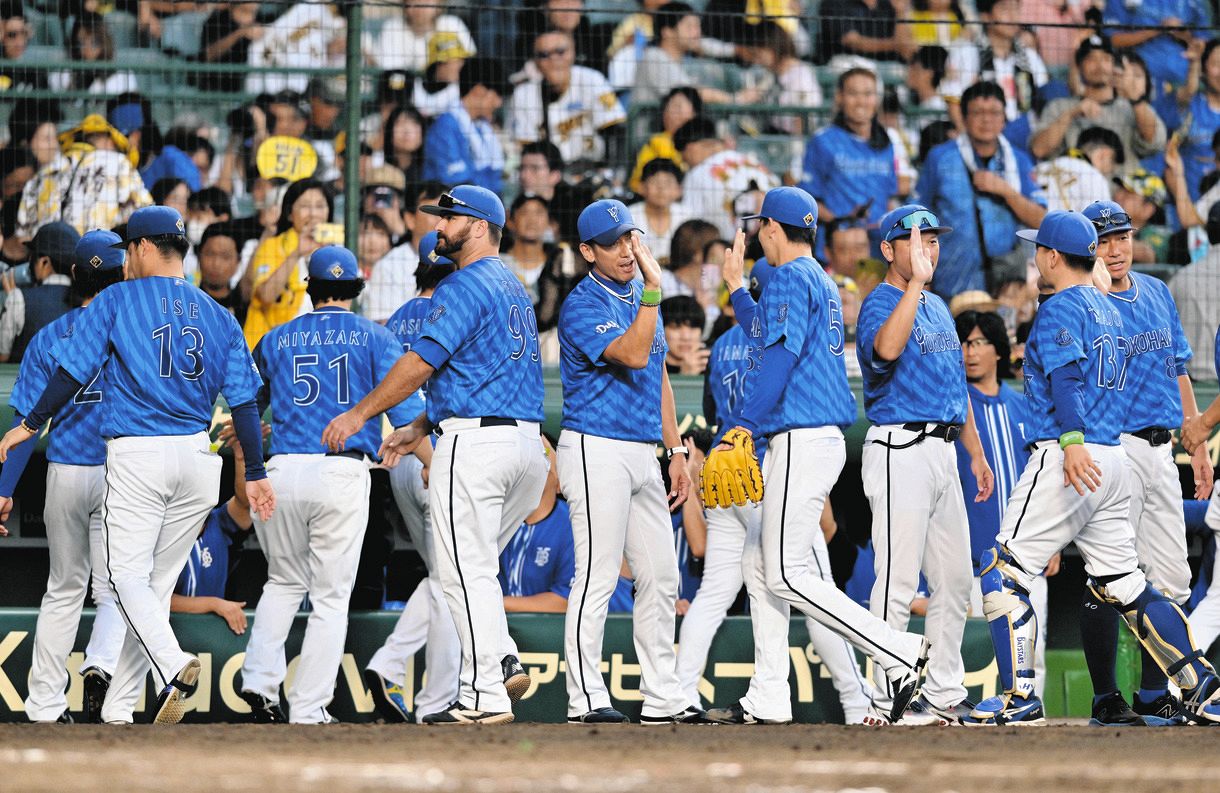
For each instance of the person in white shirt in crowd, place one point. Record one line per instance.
(925, 77)
(996, 54)
(307, 35)
(718, 178)
(403, 40)
(572, 106)
(529, 225)
(678, 33)
(794, 83)
(661, 212)
(436, 89)
(1083, 174)
(90, 41)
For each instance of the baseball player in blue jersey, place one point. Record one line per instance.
(312, 367)
(1076, 487)
(1205, 619)
(915, 398)
(73, 511)
(798, 397)
(617, 404)
(428, 617)
(165, 350)
(734, 550)
(479, 353)
(1156, 392)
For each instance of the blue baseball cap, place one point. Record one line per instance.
(427, 250)
(760, 274)
(897, 223)
(604, 222)
(791, 206)
(470, 200)
(333, 263)
(97, 251)
(154, 221)
(1066, 232)
(127, 118)
(1108, 217)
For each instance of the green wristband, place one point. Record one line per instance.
(1073, 438)
(650, 297)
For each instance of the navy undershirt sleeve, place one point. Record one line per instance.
(248, 426)
(1067, 386)
(767, 384)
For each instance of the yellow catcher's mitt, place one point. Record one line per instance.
(731, 476)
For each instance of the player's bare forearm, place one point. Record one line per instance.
(404, 379)
(895, 332)
(634, 347)
(542, 603)
(694, 526)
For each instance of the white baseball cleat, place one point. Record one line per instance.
(171, 703)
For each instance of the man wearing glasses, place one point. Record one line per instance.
(479, 355)
(571, 106)
(1156, 389)
(915, 398)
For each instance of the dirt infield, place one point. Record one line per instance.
(533, 758)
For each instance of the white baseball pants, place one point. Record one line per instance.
(734, 557)
(484, 481)
(159, 490)
(919, 523)
(1156, 516)
(73, 516)
(312, 543)
(1205, 619)
(802, 466)
(619, 507)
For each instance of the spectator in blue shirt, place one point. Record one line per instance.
(983, 187)
(461, 146)
(1162, 47)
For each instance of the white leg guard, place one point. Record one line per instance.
(1014, 626)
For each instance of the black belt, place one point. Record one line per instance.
(488, 421)
(946, 432)
(1155, 436)
(350, 454)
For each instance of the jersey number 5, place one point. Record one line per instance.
(194, 351)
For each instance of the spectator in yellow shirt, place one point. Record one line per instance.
(678, 107)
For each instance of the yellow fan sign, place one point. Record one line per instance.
(283, 157)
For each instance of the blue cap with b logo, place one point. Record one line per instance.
(791, 206)
(1066, 232)
(333, 263)
(760, 274)
(604, 222)
(897, 223)
(427, 250)
(96, 251)
(1108, 217)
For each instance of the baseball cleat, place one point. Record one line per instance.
(874, 717)
(263, 710)
(171, 703)
(906, 687)
(1202, 703)
(457, 713)
(1164, 711)
(736, 714)
(600, 716)
(387, 698)
(65, 718)
(96, 684)
(921, 712)
(691, 715)
(516, 679)
(1112, 710)
(1007, 709)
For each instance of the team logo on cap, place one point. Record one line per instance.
(336, 270)
(1105, 213)
(808, 218)
(1092, 247)
(613, 210)
(432, 257)
(96, 261)
(181, 227)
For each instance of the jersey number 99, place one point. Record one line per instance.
(523, 327)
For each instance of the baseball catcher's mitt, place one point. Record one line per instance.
(731, 476)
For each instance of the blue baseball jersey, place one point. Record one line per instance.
(540, 557)
(599, 397)
(483, 318)
(168, 351)
(733, 355)
(688, 582)
(928, 380)
(800, 309)
(1078, 325)
(1218, 352)
(319, 365)
(407, 323)
(77, 437)
(1002, 423)
(1155, 351)
(207, 569)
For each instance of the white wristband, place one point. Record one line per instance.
(669, 453)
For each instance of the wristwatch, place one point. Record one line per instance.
(669, 453)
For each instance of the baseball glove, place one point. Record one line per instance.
(731, 477)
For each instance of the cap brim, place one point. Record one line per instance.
(1114, 230)
(752, 217)
(904, 233)
(122, 244)
(434, 209)
(610, 237)
(1029, 235)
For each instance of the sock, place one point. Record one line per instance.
(1149, 695)
(1099, 635)
(1151, 676)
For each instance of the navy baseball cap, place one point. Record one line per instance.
(1066, 232)
(96, 250)
(56, 239)
(604, 222)
(154, 221)
(1108, 217)
(427, 250)
(897, 223)
(760, 274)
(333, 263)
(791, 206)
(472, 201)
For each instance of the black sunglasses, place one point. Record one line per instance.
(1111, 220)
(446, 201)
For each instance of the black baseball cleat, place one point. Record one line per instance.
(65, 718)
(691, 715)
(96, 684)
(736, 714)
(171, 702)
(263, 710)
(516, 679)
(906, 687)
(600, 716)
(1112, 710)
(457, 713)
(1164, 711)
(387, 698)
